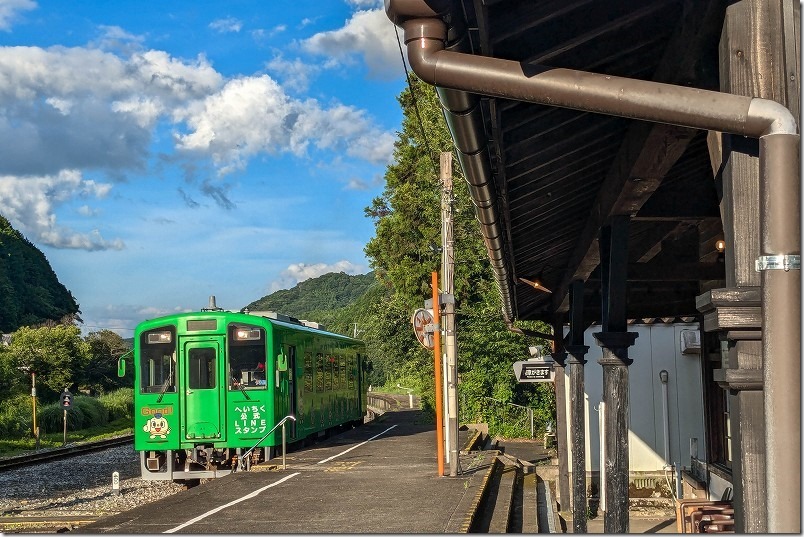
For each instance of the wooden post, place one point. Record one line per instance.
(577, 352)
(559, 356)
(615, 342)
(759, 57)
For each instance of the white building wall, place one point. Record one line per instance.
(657, 348)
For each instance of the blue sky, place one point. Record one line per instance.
(162, 152)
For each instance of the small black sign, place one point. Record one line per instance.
(535, 372)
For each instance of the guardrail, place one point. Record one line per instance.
(381, 403)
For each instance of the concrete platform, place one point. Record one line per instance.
(378, 478)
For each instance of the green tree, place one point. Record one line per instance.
(100, 374)
(57, 354)
(404, 252)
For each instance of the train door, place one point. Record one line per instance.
(202, 382)
(292, 396)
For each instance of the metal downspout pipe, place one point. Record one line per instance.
(465, 123)
(780, 209)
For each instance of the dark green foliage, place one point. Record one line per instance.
(100, 374)
(404, 252)
(86, 412)
(16, 413)
(327, 292)
(119, 403)
(61, 359)
(57, 354)
(30, 292)
(50, 418)
(16, 416)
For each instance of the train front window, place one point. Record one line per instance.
(247, 357)
(201, 368)
(158, 360)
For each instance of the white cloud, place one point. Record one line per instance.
(369, 34)
(121, 319)
(86, 210)
(252, 115)
(295, 74)
(365, 4)
(298, 272)
(115, 38)
(229, 24)
(357, 184)
(9, 10)
(100, 109)
(67, 109)
(30, 201)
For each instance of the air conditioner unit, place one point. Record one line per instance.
(690, 342)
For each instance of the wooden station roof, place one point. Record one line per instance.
(560, 173)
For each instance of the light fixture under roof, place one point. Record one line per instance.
(536, 285)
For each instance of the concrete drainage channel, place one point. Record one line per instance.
(513, 498)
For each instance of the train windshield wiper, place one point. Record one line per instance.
(242, 389)
(168, 382)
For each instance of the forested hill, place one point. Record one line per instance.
(30, 292)
(317, 297)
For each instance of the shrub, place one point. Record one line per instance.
(16, 417)
(86, 412)
(94, 413)
(51, 418)
(119, 403)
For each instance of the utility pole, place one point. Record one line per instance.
(448, 283)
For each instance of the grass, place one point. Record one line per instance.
(19, 446)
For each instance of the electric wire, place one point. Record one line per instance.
(415, 103)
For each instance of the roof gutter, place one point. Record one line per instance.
(425, 31)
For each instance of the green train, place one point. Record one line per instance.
(209, 385)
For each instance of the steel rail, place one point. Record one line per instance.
(52, 454)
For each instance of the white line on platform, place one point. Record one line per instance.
(357, 446)
(213, 511)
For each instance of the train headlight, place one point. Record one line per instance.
(160, 337)
(246, 334)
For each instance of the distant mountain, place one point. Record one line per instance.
(30, 292)
(318, 299)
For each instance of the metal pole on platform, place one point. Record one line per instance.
(448, 283)
(437, 374)
(284, 447)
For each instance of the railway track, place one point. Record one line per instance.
(64, 452)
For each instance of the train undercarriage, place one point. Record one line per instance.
(200, 462)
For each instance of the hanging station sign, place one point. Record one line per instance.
(534, 371)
